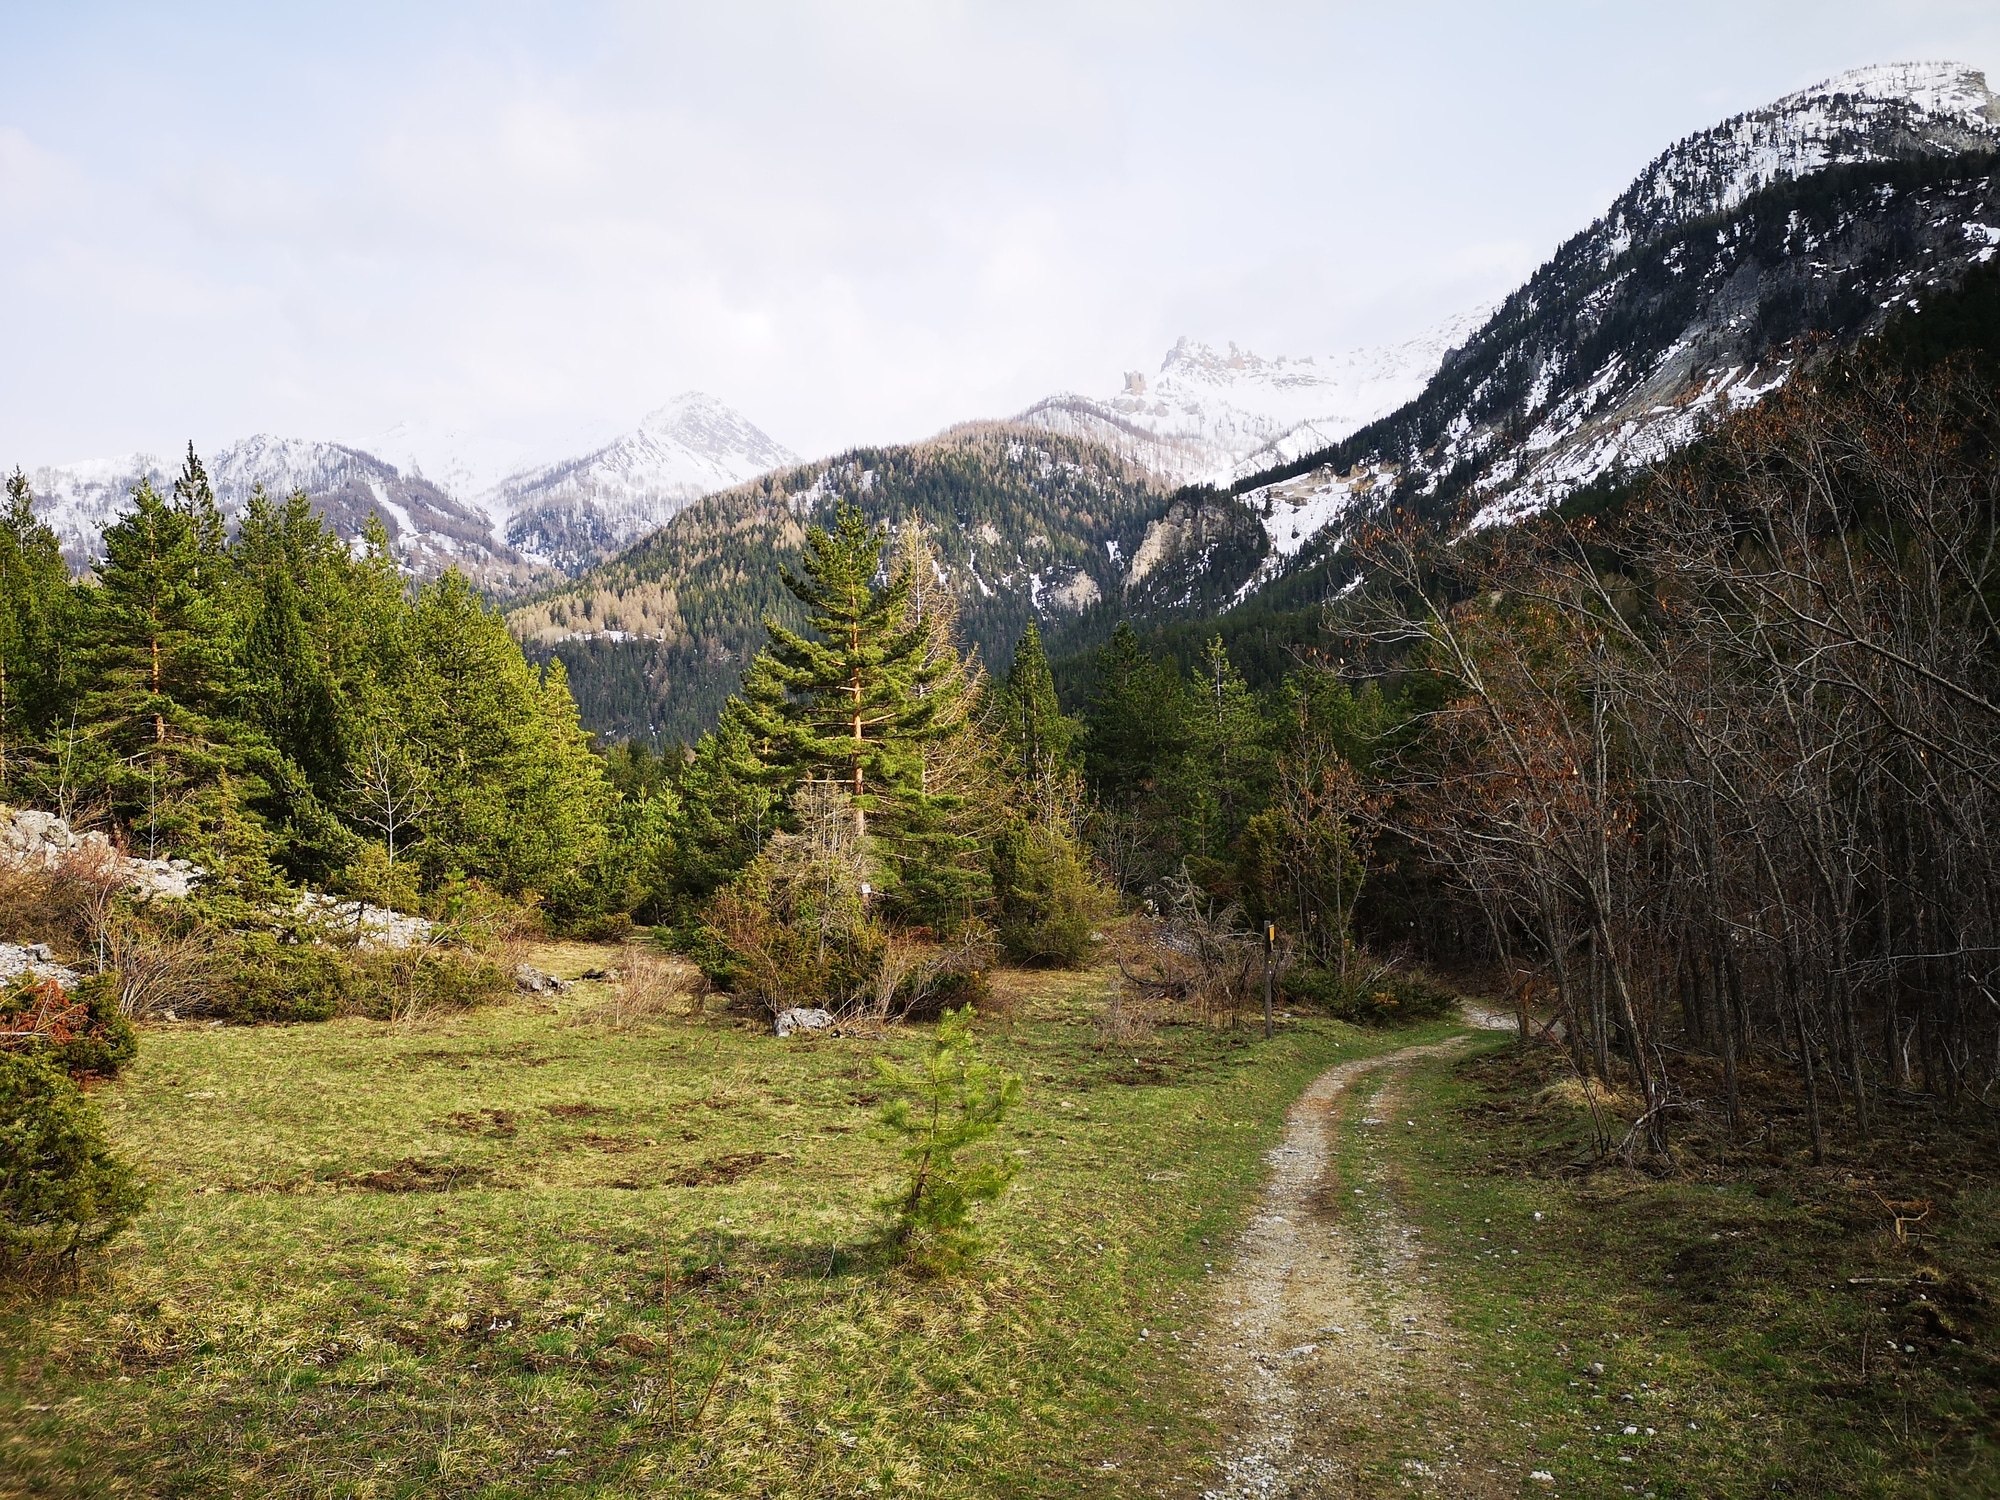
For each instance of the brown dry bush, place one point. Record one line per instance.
(1191, 961)
(64, 904)
(917, 980)
(159, 974)
(649, 986)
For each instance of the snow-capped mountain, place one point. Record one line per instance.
(567, 515)
(1209, 415)
(576, 512)
(1730, 259)
(1889, 112)
(428, 530)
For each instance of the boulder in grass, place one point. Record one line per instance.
(532, 981)
(799, 1019)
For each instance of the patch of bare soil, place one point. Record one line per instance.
(718, 1171)
(1330, 1356)
(412, 1175)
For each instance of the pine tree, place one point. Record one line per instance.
(195, 498)
(726, 811)
(36, 638)
(162, 669)
(1041, 740)
(1224, 770)
(856, 704)
(288, 683)
(1135, 720)
(557, 794)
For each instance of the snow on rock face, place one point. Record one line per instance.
(428, 530)
(1716, 295)
(77, 501)
(570, 513)
(1210, 415)
(578, 511)
(1889, 111)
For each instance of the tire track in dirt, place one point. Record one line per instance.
(1323, 1330)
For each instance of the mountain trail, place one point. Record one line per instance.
(1325, 1342)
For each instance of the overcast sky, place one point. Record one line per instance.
(524, 223)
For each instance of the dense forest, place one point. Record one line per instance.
(278, 707)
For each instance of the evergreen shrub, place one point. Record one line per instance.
(61, 1190)
(1371, 996)
(82, 1031)
(1050, 902)
(949, 1102)
(257, 976)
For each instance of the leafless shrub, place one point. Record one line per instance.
(916, 979)
(64, 904)
(649, 986)
(159, 974)
(1123, 1020)
(1192, 960)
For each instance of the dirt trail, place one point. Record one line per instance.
(1325, 1328)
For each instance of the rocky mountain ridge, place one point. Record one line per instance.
(1210, 416)
(582, 510)
(1020, 523)
(522, 532)
(1734, 256)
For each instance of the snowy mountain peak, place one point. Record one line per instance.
(1708, 284)
(1211, 414)
(1945, 89)
(579, 510)
(1891, 111)
(427, 528)
(708, 429)
(283, 465)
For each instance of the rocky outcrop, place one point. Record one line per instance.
(530, 980)
(797, 1019)
(43, 840)
(32, 961)
(368, 925)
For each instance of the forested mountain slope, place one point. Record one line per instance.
(1021, 522)
(1735, 257)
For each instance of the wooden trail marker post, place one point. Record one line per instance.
(1270, 937)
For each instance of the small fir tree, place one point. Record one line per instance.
(947, 1103)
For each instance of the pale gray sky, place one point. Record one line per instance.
(854, 222)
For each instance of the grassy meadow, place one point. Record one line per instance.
(518, 1251)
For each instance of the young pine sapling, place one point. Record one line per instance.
(948, 1102)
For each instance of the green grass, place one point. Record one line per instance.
(434, 1260)
(1728, 1305)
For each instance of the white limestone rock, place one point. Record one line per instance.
(798, 1019)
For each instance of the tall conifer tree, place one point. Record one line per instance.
(36, 641)
(854, 700)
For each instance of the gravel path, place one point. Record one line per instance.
(1325, 1323)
